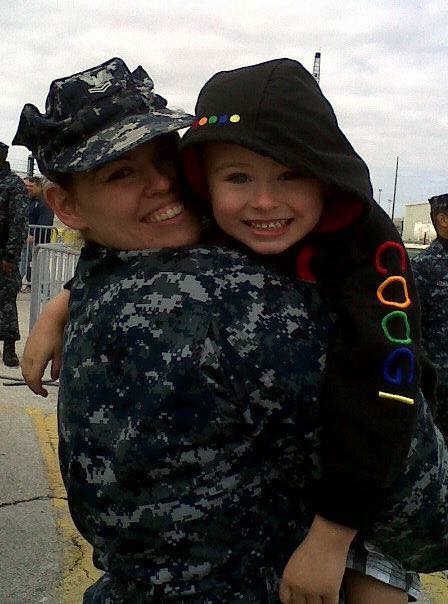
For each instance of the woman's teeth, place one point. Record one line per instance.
(165, 213)
(273, 224)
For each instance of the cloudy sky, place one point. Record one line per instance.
(384, 65)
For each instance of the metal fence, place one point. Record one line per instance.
(53, 264)
(39, 234)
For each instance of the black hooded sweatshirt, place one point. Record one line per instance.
(370, 394)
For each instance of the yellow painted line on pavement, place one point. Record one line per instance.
(436, 586)
(78, 571)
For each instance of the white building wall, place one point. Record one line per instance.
(417, 225)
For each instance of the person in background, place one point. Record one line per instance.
(40, 216)
(13, 224)
(40, 213)
(431, 274)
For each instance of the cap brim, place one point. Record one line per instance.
(111, 142)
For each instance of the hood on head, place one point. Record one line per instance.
(277, 109)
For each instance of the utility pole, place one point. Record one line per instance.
(316, 67)
(395, 191)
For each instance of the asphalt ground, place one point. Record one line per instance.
(44, 559)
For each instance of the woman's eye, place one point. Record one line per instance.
(119, 174)
(237, 178)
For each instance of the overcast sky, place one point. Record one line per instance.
(384, 65)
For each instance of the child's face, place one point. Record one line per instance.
(259, 202)
(132, 203)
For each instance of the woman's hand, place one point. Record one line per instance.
(315, 571)
(44, 344)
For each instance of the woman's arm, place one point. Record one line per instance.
(44, 343)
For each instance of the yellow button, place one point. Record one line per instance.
(235, 118)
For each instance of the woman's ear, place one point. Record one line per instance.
(65, 207)
(442, 220)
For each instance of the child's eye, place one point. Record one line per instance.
(289, 175)
(237, 178)
(118, 174)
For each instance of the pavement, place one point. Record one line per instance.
(44, 559)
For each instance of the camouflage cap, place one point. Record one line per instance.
(94, 116)
(439, 202)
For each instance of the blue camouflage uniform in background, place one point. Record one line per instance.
(13, 225)
(431, 273)
(190, 431)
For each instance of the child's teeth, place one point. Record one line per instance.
(268, 225)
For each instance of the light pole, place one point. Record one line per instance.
(395, 191)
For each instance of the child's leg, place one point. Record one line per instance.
(361, 588)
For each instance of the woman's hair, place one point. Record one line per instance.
(64, 180)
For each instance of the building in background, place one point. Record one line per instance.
(417, 225)
(398, 222)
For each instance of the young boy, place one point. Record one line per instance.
(264, 135)
(102, 224)
(283, 179)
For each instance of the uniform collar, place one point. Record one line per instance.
(443, 241)
(5, 169)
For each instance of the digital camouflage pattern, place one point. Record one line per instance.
(94, 116)
(190, 427)
(431, 273)
(13, 225)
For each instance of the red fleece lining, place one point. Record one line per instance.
(333, 219)
(194, 172)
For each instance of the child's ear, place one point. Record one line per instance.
(65, 207)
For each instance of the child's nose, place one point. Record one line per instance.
(265, 199)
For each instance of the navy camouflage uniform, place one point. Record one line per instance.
(13, 225)
(190, 431)
(431, 274)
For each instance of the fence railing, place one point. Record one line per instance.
(40, 234)
(53, 264)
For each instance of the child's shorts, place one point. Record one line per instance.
(365, 558)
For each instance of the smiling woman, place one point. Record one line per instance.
(130, 203)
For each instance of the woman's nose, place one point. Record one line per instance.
(157, 181)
